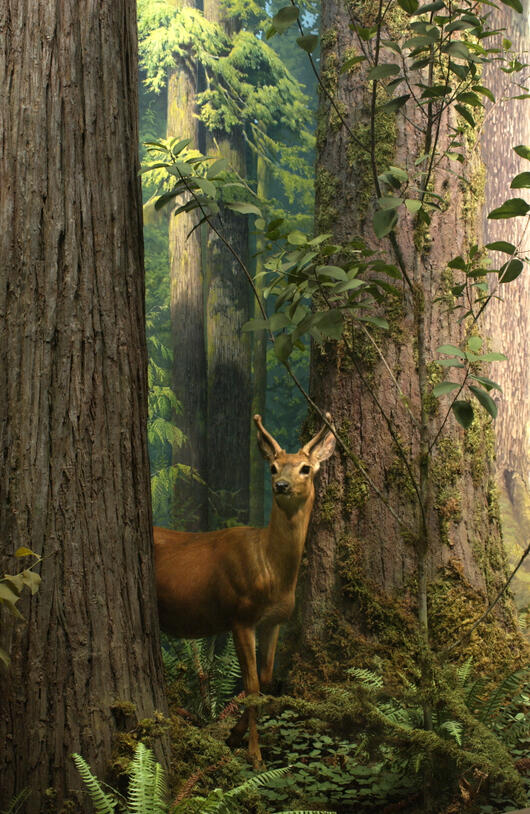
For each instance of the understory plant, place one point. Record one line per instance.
(148, 794)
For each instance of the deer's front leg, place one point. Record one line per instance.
(268, 639)
(245, 642)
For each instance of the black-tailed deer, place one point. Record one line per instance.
(243, 578)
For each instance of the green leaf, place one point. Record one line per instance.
(458, 263)
(510, 271)
(487, 383)
(379, 322)
(492, 356)
(244, 208)
(457, 49)
(463, 412)
(297, 238)
(484, 91)
(501, 246)
(207, 187)
(413, 205)
(383, 71)
(331, 271)
(256, 325)
(512, 208)
(283, 346)
(464, 112)
(410, 6)
(515, 4)
(285, 17)
(474, 343)
(469, 98)
(384, 221)
(389, 202)
(485, 399)
(4, 658)
(9, 597)
(451, 349)
(217, 167)
(443, 388)
(521, 181)
(31, 580)
(331, 324)
(307, 43)
(351, 62)
(523, 151)
(395, 104)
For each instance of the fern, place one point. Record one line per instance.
(103, 803)
(454, 729)
(366, 678)
(17, 802)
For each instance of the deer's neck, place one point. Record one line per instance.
(285, 540)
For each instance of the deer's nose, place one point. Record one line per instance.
(282, 486)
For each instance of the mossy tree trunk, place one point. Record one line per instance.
(508, 125)
(259, 369)
(370, 558)
(187, 310)
(227, 304)
(73, 411)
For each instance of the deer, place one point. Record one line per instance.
(243, 579)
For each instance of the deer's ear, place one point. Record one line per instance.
(321, 447)
(269, 447)
(325, 448)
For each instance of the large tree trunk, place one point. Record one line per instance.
(259, 369)
(73, 447)
(228, 348)
(365, 563)
(507, 125)
(187, 310)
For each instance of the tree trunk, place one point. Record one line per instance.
(259, 371)
(368, 568)
(507, 126)
(187, 310)
(75, 471)
(228, 357)
(227, 304)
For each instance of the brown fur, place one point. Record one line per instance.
(237, 579)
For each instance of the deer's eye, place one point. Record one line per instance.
(274, 469)
(305, 470)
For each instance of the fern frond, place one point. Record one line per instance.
(141, 772)
(16, 802)
(103, 803)
(262, 779)
(463, 671)
(454, 729)
(368, 679)
(511, 685)
(159, 790)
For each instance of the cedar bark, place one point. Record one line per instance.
(360, 559)
(73, 409)
(187, 309)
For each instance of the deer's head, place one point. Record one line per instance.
(293, 473)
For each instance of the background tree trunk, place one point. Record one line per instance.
(361, 579)
(227, 303)
(75, 472)
(507, 125)
(187, 307)
(259, 371)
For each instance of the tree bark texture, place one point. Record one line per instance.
(227, 302)
(362, 568)
(73, 409)
(187, 309)
(259, 369)
(508, 320)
